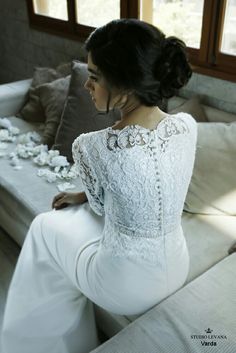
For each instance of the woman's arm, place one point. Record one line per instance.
(65, 199)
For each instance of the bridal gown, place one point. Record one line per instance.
(123, 250)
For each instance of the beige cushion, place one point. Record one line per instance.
(80, 115)
(193, 107)
(178, 322)
(212, 188)
(52, 98)
(33, 110)
(217, 115)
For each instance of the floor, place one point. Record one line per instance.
(9, 252)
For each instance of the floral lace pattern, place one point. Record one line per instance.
(127, 137)
(132, 135)
(138, 178)
(93, 192)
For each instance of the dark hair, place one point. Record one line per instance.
(134, 55)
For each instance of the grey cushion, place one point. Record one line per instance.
(33, 111)
(80, 115)
(52, 98)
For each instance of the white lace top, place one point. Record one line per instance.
(138, 179)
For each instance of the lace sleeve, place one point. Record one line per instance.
(89, 177)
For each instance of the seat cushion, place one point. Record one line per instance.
(23, 194)
(198, 318)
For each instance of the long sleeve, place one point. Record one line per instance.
(89, 175)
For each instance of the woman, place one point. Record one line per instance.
(124, 249)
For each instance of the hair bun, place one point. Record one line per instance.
(172, 69)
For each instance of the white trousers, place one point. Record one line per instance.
(61, 272)
(45, 311)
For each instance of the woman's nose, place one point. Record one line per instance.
(87, 84)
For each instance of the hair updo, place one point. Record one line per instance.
(136, 56)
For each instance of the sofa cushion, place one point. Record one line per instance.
(23, 193)
(33, 111)
(193, 107)
(80, 115)
(217, 115)
(12, 96)
(213, 189)
(181, 322)
(52, 98)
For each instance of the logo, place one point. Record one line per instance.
(209, 338)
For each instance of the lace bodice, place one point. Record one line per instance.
(138, 179)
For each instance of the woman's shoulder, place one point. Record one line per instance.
(90, 137)
(183, 117)
(182, 121)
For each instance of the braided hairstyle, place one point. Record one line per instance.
(133, 55)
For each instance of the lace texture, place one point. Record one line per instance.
(138, 178)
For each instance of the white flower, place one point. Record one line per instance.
(4, 135)
(53, 153)
(35, 136)
(14, 130)
(59, 161)
(28, 147)
(48, 174)
(65, 186)
(5, 123)
(42, 159)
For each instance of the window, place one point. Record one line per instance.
(208, 27)
(77, 18)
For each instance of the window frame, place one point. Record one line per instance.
(208, 60)
(70, 28)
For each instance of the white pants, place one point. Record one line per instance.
(60, 274)
(45, 310)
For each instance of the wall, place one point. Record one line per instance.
(21, 49)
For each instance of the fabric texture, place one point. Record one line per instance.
(80, 115)
(142, 213)
(212, 188)
(179, 323)
(192, 107)
(52, 98)
(33, 111)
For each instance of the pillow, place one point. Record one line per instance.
(192, 107)
(80, 115)
(52, 98)
(33, 110)
(212, 189)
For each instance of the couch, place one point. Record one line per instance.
(202, 313)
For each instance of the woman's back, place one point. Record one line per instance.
(140, 180)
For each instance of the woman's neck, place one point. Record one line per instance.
(136, 113)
